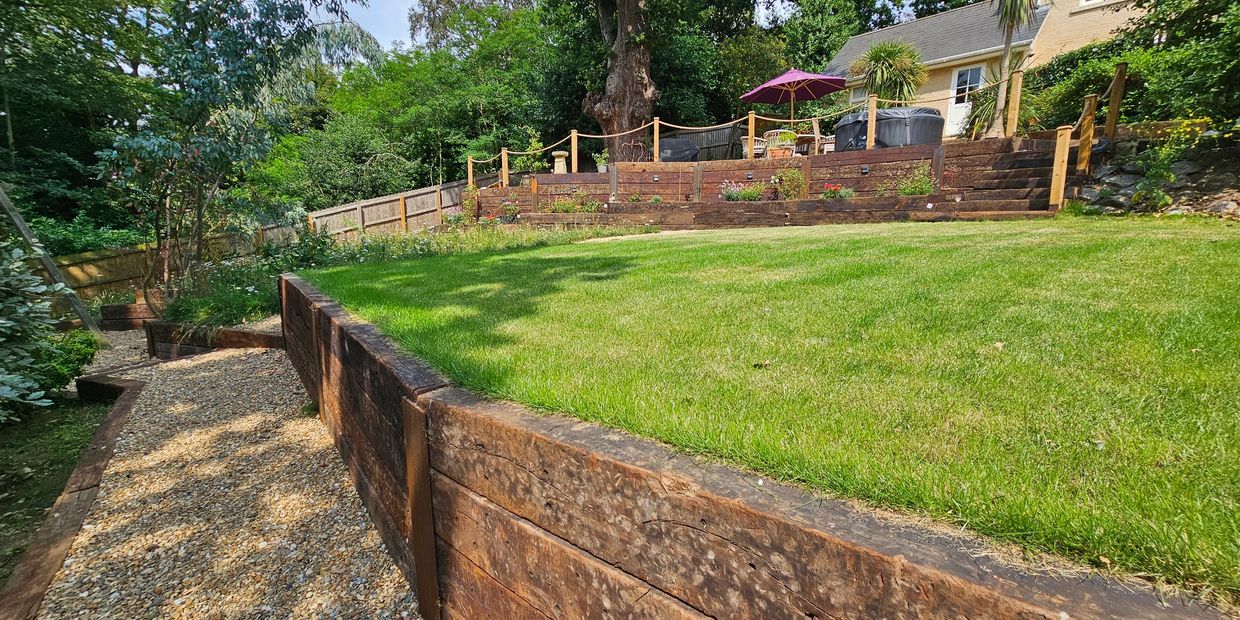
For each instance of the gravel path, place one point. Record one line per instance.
(224, 500)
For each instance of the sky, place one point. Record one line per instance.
(386, 19)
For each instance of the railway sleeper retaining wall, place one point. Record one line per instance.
(493, 511)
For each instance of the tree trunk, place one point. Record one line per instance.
(8, 113)
(1005, 72)
(628, 97)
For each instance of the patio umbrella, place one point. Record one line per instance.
(792, 85)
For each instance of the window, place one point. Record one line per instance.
(967, 81)
(857, 94)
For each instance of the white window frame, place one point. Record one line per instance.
(956, 94)
(852, 94)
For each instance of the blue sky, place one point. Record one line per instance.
(386, 19)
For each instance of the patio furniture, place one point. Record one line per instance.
(780, 143)
(759, 147)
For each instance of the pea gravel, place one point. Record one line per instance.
(225, 500)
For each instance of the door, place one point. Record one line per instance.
(965, 81)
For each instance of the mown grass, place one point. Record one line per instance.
(37, 454)
(243, 289)
(1070, 385)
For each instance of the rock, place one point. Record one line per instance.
(1224, 179)
(1090, 194)
(1123, 180)
(1105, 171)
(1222, 206)
(1116, 201)
(1092, 210)
(1113, 211)
(1125, 149)
(1177, 211)
(1133, 167)
(1184, 168)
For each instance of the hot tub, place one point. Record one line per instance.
(895, 127)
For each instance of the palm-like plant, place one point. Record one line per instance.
(892, 69)
(1012, 14)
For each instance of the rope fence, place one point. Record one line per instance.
(1014, 82)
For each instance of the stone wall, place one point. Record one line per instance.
(493, 511)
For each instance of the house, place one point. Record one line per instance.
(961, 47)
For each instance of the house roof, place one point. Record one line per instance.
(956, 33)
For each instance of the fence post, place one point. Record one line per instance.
(419, 513)
(572, 140)
(871, 128)
(1083, 150)
(503, 167)
(404, 215)
(439, 202)
(469, 171)
(1059, 176)
(656, 139)
(1117, 95)
(361, 219)
(310, 222)
(1013, 111)
(751, 130)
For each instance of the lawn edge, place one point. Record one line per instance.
(23, 592)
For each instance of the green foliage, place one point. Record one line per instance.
(348, 159)
(790, 184)
(579, 202)
(746, 60)
(1190, 73)
(656, 199)
(917, 183)
(926, 8)
(25, 328)
(834, 191)
(81, 234)
(64, 358)
(531, 163)
(816, 31)
(37, 456)
(892, 70)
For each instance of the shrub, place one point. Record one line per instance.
(832, 191)
(791, 184)
(469, 202)
(918, 183)
(563, 205)
(656, 199)
(635, 198)
(733, 192)
(25, 327)
(64, 358)
(59, 237)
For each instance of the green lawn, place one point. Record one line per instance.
(37, 454)
(1071, 384)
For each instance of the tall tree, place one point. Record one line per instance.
(874, 14)
(818, 29)
(430, 20)
(1012, 14)
(628, 95)
(926, 8)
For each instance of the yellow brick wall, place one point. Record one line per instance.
(1072, 24)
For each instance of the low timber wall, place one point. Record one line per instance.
(492, 511)
(954, 166)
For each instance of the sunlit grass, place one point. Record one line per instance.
(1072, 385)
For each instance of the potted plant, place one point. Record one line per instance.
(781, 143)
(600, 160)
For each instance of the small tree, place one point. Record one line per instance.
(1012, 14)
(892, 69)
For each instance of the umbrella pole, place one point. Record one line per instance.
(793, 112)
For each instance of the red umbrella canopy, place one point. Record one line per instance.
(794, 84)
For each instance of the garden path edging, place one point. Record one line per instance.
(167, 340)
(41, 560)
(548, 516)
